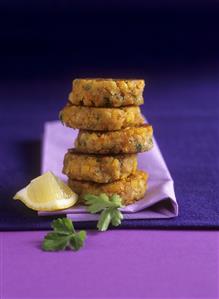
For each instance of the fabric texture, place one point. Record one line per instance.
(159, 200)
(184, 115)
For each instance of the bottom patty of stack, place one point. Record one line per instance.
(130, 189)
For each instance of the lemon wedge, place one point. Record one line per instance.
(47, 193)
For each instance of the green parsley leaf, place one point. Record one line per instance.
(116, 217)
(117, 200)
(64, 236)
(108, 208)
(77, 241)
(54, 242)
(97, 203)
(63, 226)
(104, 220)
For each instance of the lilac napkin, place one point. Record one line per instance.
(159, 200)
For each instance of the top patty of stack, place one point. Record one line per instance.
(107, 92)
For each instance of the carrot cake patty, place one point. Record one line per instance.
(100, 169)
(127, 141)
(107, 92)
(130, 189)
(101, 119)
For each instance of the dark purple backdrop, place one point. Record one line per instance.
(175, 47)
(44, 38)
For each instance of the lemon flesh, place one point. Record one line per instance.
(47, 193)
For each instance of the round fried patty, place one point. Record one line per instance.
(107, 92)
(127, 141)
(101, 119)
(100, 169)
(130, 189)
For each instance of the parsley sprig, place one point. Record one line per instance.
(63, 236)
(109, 208)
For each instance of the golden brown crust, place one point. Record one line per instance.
(127, 141)
(107, 92)
(101, 119)
(100, 169)
(130, 189)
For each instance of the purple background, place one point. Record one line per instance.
(125, 264)
(41, 38)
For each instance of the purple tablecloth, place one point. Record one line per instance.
(183, 112)
(126, 264)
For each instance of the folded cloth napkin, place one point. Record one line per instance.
(159, 200)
